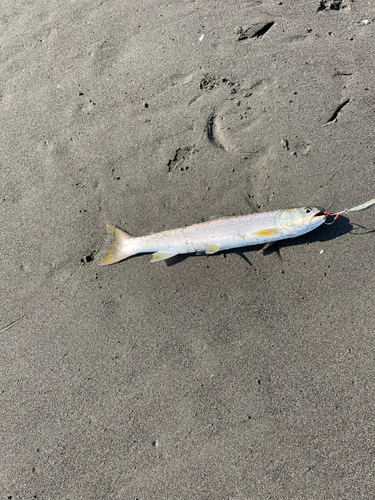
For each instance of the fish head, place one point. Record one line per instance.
(302, 219)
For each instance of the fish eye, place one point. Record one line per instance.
(307, 210)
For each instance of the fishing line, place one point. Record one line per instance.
(365, 205)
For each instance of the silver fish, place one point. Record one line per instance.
(214, 235)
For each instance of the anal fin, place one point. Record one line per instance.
(209, 249)
(157, 256)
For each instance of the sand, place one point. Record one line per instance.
(236, 376)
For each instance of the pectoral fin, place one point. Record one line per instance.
(161, 256)
(272, 231)
(209, 249)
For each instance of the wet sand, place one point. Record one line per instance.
(236, 376)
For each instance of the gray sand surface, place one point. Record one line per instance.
(236, 376)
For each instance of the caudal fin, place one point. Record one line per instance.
(115, 249)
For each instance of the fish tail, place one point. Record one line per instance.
(115, 249)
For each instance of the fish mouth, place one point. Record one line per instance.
(318, 215)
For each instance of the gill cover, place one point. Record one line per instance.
(301, 220)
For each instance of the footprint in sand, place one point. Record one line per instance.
(181, 159)
(235, 125)
(333, 5)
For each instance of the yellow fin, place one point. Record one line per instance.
(211, 248)
(161, 256)
(114, 251)
(267, 232)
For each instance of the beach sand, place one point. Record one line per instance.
(235, 376)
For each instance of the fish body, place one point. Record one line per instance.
(214, 235)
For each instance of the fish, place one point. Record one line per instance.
(213, 236)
